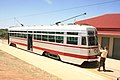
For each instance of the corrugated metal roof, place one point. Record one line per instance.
(108, 24)
(104, 21)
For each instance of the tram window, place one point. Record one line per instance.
(29, 31)
(59, 32)
(44, 37)
(25, 31)
(24, 36)
(92, 40)
(16, 35)
(20, 35)
(10, 31)
(83, 41)
(38, 37)
(52, 38)
(35, 36)
(72, 40)
(44, 32)
(37, 31)
(90, 32)
(51, 32)
(59, 39)
(72, 33)
(12, 34)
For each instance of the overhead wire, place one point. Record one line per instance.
(60, 10)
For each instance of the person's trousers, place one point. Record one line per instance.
(102, 63)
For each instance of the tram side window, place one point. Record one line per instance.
(90, 32)
(83, 41)
(44, 37)
(20, 35)
(72, 40)
(38, 37)
(92, 40)
(17, 35)
(59, 39)
(59, 32)
(35, 36)
(12, 34)
(24, 36)
(51, 38)
(72, 33)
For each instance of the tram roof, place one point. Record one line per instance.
(52, 28)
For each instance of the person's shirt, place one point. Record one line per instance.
(104, 53)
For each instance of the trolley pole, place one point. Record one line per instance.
(69, 18)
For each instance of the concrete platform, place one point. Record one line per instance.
(63, 70)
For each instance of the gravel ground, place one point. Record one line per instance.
(12, 68)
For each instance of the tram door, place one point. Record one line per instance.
(30, 43)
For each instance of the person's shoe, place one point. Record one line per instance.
(98, 70)
(104, 70)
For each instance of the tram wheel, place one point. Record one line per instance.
(12, 44)
(45, 54)
(51, 55)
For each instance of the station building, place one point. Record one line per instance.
(108, 27)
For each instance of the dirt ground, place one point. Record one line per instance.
(12, 68)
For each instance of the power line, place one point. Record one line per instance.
(66, 9)
(60, 10)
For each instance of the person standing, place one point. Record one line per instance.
(103, 57)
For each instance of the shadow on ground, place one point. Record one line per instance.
(107, 70)
(85, 64)
(89, 64)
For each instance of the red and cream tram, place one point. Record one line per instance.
(69, 43)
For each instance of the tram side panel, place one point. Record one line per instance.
(40, 47)
(37, 47)
(19, 42)
(76, 55)
(66, 53)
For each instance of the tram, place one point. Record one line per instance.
(69, 43)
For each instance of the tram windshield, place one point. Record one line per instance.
(92, 40)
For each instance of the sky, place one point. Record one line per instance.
(46, 12)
